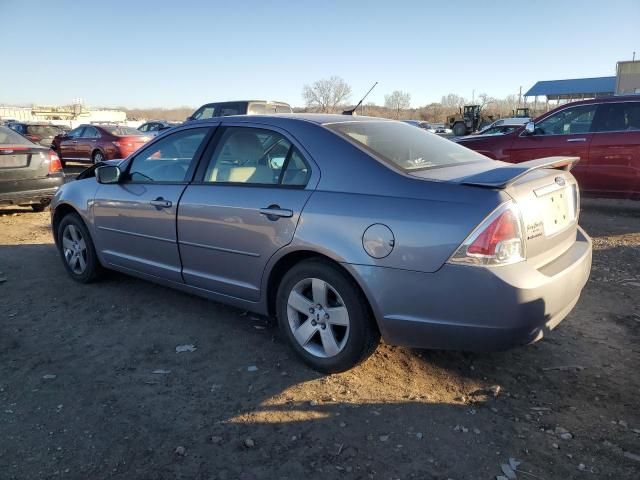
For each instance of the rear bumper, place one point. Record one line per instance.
(23, 192)
(475, 308)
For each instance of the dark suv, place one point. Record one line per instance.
(603, 132)
(240, 107)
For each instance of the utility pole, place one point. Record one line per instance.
(520, 96)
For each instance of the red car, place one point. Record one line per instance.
(96, 143)
(603, 132)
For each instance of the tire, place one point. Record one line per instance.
(97, 156)
(77, 251)
(38, 207)
(347, 321)
(459, 129)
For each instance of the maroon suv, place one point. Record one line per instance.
(603, 132)
(95, 143)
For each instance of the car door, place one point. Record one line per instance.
(252, 185)
(614, 155)
(565, 133)
(135, 219)
(69, 143)
(87, 142)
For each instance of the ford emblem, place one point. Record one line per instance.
(560, 181)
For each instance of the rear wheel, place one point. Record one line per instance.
(77, 250)
(325, 317)
(459, 129)
(97, 157)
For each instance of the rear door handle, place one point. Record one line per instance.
(576, 139)
(161, 203)
(273, 212)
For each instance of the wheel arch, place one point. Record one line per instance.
(98, 149)
(288, 260)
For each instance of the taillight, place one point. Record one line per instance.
(496, 241)
(54, 162)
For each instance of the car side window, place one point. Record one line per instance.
(208, 111)
(144, 127)
(75, 133)
(90, 132)
(568, 121)
(167, 160)
(256, 156)
(617, 117)
(231, 109)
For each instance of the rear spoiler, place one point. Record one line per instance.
(502, 177)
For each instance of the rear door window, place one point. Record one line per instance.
(258, 157)
(618, 117)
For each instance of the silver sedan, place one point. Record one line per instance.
(345, 229)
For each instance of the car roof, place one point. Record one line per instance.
(317, 118)
(247, 101)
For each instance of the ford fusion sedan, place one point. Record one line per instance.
(604, 133)
(345, 229)
(30, 174)
(96, 143)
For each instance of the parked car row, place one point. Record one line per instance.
(604, 133)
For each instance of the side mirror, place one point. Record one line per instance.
(530, 128)
(108, 174)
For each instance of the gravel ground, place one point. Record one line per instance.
(91, 386)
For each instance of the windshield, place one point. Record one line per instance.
(404, 146)
(9, 137)
(43, 130)
(121, 131)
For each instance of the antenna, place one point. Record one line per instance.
(353, 110)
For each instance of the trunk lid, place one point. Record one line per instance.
(543, 189)
(23, 162)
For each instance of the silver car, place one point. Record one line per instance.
(344, 228)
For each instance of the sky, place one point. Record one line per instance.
(185, 53)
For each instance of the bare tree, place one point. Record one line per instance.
(327, 94)
(453, 100)
(397, 101)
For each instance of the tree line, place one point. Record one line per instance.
(334, 95)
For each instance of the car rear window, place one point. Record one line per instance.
(9, 137)
(122, 131)
(405, 146)
(44, 130)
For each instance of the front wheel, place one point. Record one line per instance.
(459, 129)
(325, 317)
(77, 250)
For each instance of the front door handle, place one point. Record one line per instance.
(274, 212)
(161, 203)
(576, 139)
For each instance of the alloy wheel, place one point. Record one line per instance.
(318, 317)
(75, 249)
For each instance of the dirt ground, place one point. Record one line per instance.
(91, 386)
